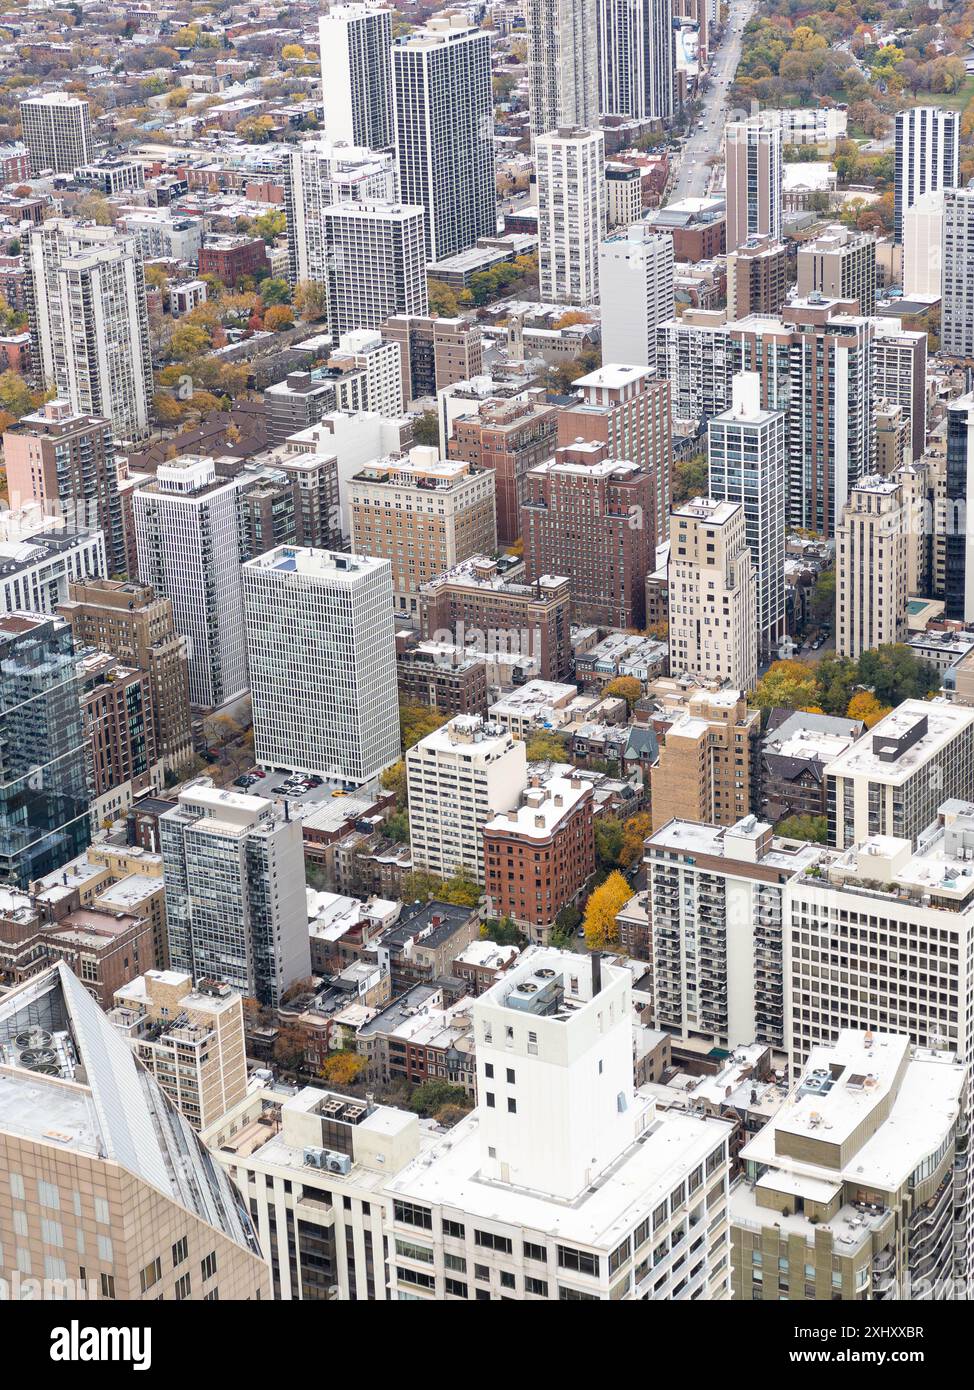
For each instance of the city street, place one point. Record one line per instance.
(693, 180)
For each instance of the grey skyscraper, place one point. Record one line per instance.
(445, 132)
(563, 75)
(637, 58)
(356, 78)
(957, 312)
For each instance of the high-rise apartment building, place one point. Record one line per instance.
(851, 1188)
(445, 133)
(840, 264)
(376, 263)
(322, 662)
(233, 867)
(709, 757)
(927, 147)
(38, 567)
(958, 530)
(716, 907)
(458, 778)
(356, 74)
(570, 163)
(923, 246)
(436, 352)
(957, 310)
(713, 603)
(116, 706)
(57, 132)
(871, 568)
(510, 437)
(816, 362)
(318, 173)
(758, 278)
(900, 376)
(636, 291)
(475, 606)
(188, 540)
(566, 1183)
(637, 50)
(130, 621)
(89, 321)
(563, 77)
(747, 451)
(190, 1040)
(590, 515)
(43, 776)
(754, 172)
(423, 514)
(119, 1199)
(66, 462)
(694, 356)
(893, 779)
(626, 408)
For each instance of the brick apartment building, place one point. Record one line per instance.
(511, 437)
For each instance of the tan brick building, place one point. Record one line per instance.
(709, 760)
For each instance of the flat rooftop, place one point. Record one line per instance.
(944, 723)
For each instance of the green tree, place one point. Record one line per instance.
(503, 932)
(274, 291)
(419, 886)
(823, 597)
(431, 1096)
(416, 721)
(628, 688)
(690, 479)
(427, 429)
(791, 684)
(442, 300)
(544, 746)
(461, 889)
(814, 828)
(608, 842)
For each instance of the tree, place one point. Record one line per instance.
(431, 1096)
(634, 834)
(895, 674)
(562, 934)
(691, 478)
(601, 910)
(627, 688)
(791, 684)
(823, 596)
(442, 300)
(866, 707)
(502, 933)
(310, 300)
(16, 397)
(397, 827)
(546, 747)
(342, 1068)
(255, 130)
(608, 842)
(814, 828)
(292, 52)
(278, 317)
(419, 886)
(416, 721)
(427, 428)
(289, 1048)
(275, 291)
(393, 779)
(461, 889)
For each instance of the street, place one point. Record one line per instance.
(693, 180)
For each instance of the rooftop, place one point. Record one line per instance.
(906, 740)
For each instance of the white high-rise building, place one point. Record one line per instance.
(445, 132)
(927, 148)
(356, 74)
(563, 77)
(713, 594)
(322, 662)
(638, 58)
(694, 355)
(923, 237)
(57, 132)
(458, 777)
(570, 167)
(187, 538)
(748, 450)
(89, 321)
(754, 171)
(236, 909)
(957, 310)
(566, 1183)
(636, 291)
(871, 568)
(317, 174)
(376, 263)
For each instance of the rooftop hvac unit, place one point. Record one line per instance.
(328, 1161)
(34, 1037)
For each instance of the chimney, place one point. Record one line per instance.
(596, 973)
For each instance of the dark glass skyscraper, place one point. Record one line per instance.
(43, 755)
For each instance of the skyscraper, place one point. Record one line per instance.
(747, 452)
(445, 132)
(563, 76)
(571, 213)
(841, 264)
(376, 264)
(233, 867)
(64, 460)
(638, 58)
(927, 145)
(713, 594)
(356, 74)
(130, 1204)
(188, 539)
(754, 171)
(43, 754)
(957, 314)
(871, 568)
(322, 662)
(89, 321)
(318, 173)
(57, 132)
(959, 539)
(636, 291)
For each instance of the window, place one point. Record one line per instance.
(101, 1211)
(411, 1215)
(410, 1251)
(151, 1274)
(535, 1252)
(488, 1241)
(183, 1287)
(417, 1277)
(455, 1287)
(507, 1280)
(208, 1266)
(490, 1100)
(455, 1262)
(575, 1296)
(48, 1195)
(489, 1070)
(619, 1256)
(108, 1286)
(536, 1286)
(511, 1105)
(582, 1260)
(179, 1251)
(455, 1229)
(510, 1076)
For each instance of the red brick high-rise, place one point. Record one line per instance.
(511, 437)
